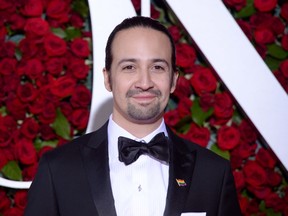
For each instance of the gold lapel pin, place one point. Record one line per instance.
(181, 182)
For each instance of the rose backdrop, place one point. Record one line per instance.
(45, 68)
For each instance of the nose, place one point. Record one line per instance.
(144, 80)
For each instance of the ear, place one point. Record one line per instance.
(174, 81)
(107, 80)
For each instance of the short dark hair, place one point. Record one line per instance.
(138, 21)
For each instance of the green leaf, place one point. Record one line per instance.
(217, 150)
(59, 32)
(81, 7)
(39, 144)
(3, 110)
(12, 171)
(199, 116)
(277, 51)
(61, 125)
(272, 63)
(72, 32)
(247, 11)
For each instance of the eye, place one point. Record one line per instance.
(159, 68)
(128, 67)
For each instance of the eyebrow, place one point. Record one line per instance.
(135, 60)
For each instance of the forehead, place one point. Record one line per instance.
(141, 41)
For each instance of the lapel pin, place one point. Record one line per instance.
(181, 182)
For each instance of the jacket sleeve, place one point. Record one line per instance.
(228, 204)
(41, 195)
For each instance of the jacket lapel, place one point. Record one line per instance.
(181, 168)
(96, 164)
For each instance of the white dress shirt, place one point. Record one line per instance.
(139, 189)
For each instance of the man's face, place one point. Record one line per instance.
(141, 76)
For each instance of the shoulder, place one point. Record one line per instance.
(73, 148)
(204, 156)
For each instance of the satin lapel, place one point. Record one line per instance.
(181, 168)
(96, 164)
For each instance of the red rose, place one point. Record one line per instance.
(66, 108)
(155, 14)
(80, 118)
(17, 22)
(28, 48)
(32, 8)
(30, 128)
(26, 153)
(228, 137)
(13, 211)
(3, 161)
(203, 81)
(184, 107)
(199, 135)
(136, 4)
(254, 174)
(76, 20)
(265, 5)
(261, 49)
(284, 11)
(265, 158)
(7, 66)
(274, 179)
(237, 4)
(81, 97)
(16, 108)
(78, 69)
(7, 49)
(223, 106)
(36, 27)
(58, 12)
(175, 32)
(185, 55)
(33, 68)
(29, 172)
(243, 202)
(63, 86)
(54, 45)
(183, 88)
(20, 198)
(5, 201)
(261, 20)
(244, 150)
(80, 47)
(171, 118)
(246, 28)
(239, 180)
(54, 66)
(284, 42)
(48, 114)
(277, 25)
(275, 201)
(264, 36)
(248, 133)
(207, 101)
(46, 132)
(281, 79)
(5, 136)
(26, 92)
(284, 68)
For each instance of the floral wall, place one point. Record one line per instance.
(45, 93)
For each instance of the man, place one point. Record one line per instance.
(172, 177)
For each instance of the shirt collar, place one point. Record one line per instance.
(114, 131)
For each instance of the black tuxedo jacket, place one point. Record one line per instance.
(73, 180)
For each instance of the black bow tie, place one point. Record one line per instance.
(130, 150)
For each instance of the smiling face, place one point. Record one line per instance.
(141, 77)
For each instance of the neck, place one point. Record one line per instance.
(138, 129)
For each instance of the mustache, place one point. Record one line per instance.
(133, 92)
